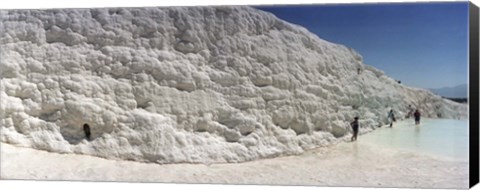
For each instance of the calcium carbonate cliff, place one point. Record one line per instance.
(178, 84)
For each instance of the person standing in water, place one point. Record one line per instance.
(417, 117)
(391, 117)
(410, 111)
(354, 124)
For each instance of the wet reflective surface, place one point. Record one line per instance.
(440, 137)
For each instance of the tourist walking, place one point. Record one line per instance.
(354, 124)
(410, 111)
(391, 118)
(417, 117)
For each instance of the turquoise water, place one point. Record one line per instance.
(442, 137)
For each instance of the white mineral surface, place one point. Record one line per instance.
(347, 164)
(187, 85)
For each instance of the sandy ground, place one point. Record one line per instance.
(346, 164)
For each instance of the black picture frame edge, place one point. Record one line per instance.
(473, 93)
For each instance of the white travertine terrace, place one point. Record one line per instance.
(187, 85)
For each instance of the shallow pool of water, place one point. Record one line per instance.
(441, 137)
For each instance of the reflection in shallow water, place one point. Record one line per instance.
(441, 137)
(417, 136)
(355, 150)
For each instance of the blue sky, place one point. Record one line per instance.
(422, 44)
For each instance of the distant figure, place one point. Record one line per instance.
(359, 71)
(417, 117)
(391, 118)
(354, 125)
(86, 129)
(410, 111)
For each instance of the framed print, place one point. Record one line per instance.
(331, 95)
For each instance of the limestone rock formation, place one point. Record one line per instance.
(187, 84)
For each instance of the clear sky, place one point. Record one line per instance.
(422, 44)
